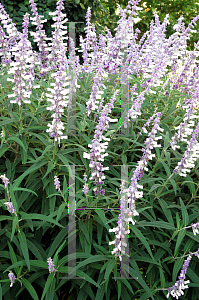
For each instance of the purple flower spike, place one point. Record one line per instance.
(177, 289)
(85, 188)
(10, 207)
(195, 228)
(57, 183)
(98, 147)
(5, 180)
(12, 278)
(50, 265)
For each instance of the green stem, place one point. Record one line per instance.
(54, 152)
(20, 119)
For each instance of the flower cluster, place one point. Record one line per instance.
(7, 41)
(132, 191)
(195, 228)
(58, 95)
(40, 37)
(22, 68)
(98, 147)
(10, 208)
(12, 278)
(120, 231)
(190, 155)
(50, 265)
(177, 289)
(57, 183)
(5, 180)
(151, 143)
(85, 188)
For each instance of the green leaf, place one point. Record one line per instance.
(7, 122)
(160, 224)
(166, 211)
(119, 288)
(142, 239)
(185, 215)
(165, 167)
(55, 259)
(57, 241)
(24, 247)
(47, 285)
(100, 292)
(3, 150)
(192, 236)
(13, 257)
(34, 250)
(38, 263)
(60, 210)
(32, 169)
(176, 268)
(92, 259)
(84, 230)
(63, 159)
(43, 140)
(180, 238)
(109, 268)
(136, 274)
(51, 166)
(51, 291)
(18, 141)
(14, 224)
(192, 275)
(24, 189)
(82, 5)
(19, 272)
(2, 218)
(102, 217)
(24, 152)
(30, 288)
(13, 199)
(25, 216)
(17, 264)
(79, 274)
(190, 184)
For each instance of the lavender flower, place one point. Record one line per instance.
(50, 265)
(132, 191)
(177, 289)
(12, 278)
(57, 183)
(40, 37)
(197, 253)
(195, 228)
(190, 155)
(58, 95)
(85, 188)
(98, 147)
(10, 207)
(22, 67)
(5, 180)
(2, 134)
(120, 231)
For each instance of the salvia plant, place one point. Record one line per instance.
(98, 161)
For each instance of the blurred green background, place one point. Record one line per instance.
(104, 14)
